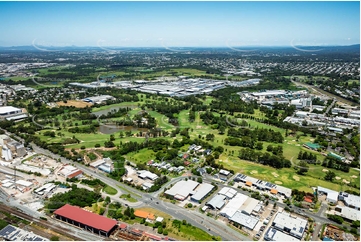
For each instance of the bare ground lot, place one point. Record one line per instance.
(75, 103)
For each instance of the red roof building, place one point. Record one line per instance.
(123, 226)
(308, 199)
(86, 220)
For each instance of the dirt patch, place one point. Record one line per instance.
(338, 178)
(275, 174)
(297, 178)
(75, 103)
(278, 182)
(254, 172)
(324, 170)
(345, 181)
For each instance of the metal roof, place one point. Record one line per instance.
(82, 216)
(182, 188)
(276, 235)
(217, 201)
(244, 220)
(297, 225)
(233, 205)
(202, 190)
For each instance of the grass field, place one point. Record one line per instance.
(110, 190)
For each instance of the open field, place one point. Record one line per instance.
(75, 103)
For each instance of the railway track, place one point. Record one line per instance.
(42, 223)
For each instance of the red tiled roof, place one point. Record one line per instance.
(307, 199)
(123, 226)
(90, 219)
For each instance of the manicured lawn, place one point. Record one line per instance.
(110, 190)
(140, 156)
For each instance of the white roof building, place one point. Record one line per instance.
(7, 110)
(228, 192)
(347, 213)
(233, 205)
(350, 200)
(332, 196)
(202, 190)
(182, 189)
(217, 202)
(244, 220)
(148, 174)
(224, 172)
(24, 183)
(295, 225)
(276, 235)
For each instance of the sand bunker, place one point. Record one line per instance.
(353, 176)
(325, 170)
(296, 178)
(254, 171)
(278, 182)
(345, 181)
(338, 178)
(275, 174)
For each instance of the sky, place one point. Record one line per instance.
(179, 24)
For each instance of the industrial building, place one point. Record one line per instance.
(217, 202)
(347, 213)
(182, 189)
(350, 200)
(332, 196)
(263, 185)
(233, 205)
(86, 220)
(228, 192)
(147, 175)
(12, 233)
(45, 189)
(69, 171)
(98, 99)
(244, 220)
(276, 235)
(201, 192)
(295, 226)
(9, 113)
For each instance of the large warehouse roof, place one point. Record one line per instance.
(182, 189)
(244, 220)
(295, 224)
(233, 205)
(82, 216)
(202, 191)
(217, 201)
(9, 109)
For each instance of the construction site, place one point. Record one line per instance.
(334, 233)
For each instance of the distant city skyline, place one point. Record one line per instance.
(179, 24)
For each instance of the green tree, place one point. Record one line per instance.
(330, 175)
